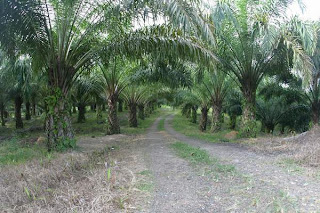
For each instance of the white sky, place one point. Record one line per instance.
(311, 10)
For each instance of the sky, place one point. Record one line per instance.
(311, 10)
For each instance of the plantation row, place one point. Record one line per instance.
(242, 58)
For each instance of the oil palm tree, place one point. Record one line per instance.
(189, 101)
(3, 93)
(16, 77)
(204, 99)
(286, 106)
(271, 112)
(307, 35)
(314, 90)
(250, 44)
(22, 70)
(217, 84)
(234, 106)
(81, 94)
(133, 95)
(112, 79)
(64, 36)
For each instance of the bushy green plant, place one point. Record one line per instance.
(66, 144)
(249, 130)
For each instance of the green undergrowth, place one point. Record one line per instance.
(13, 151)
(199, 156)
(31, 128)
(95, 129)
(161, 124)
(91, 126)
(183, 125)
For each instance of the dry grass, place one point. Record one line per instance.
(303, 148)
(72, 182)
(308, 148)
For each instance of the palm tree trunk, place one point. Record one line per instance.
(113, 121)
(315, 113)
(233, 121)
(33, 101)
(81, 113)
(6, 114)
(282, 129)
(93, 107)
(263, 127)
(34, 109)
(28, 111)
(98, 110)
(147, 110)
(216, 117)
(17, 109)
(58, 122)
(2, 112)
(204, 119)
(133, 122)
(249, 126)
(269, 128)
(74, 109)
(141, 111)
(120, 105)
(194, 114)
(188, 113)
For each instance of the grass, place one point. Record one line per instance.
(90, 127)
(184, 126)
(145, 187)
(10, 131)
(143, 125)
(161, 125)
(194, 155)
(199, 156)
(291, 166)
(146, 182)
(21, 148)
(14, 152)
(282, 203)
(65, 182)
(145, 173)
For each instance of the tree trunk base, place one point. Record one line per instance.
(216, 118)
(58, 123)
(204, 119)
(113, 121)
(18, 104)
(133, 122)
(81, 113)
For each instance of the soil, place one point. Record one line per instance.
(178, 187)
